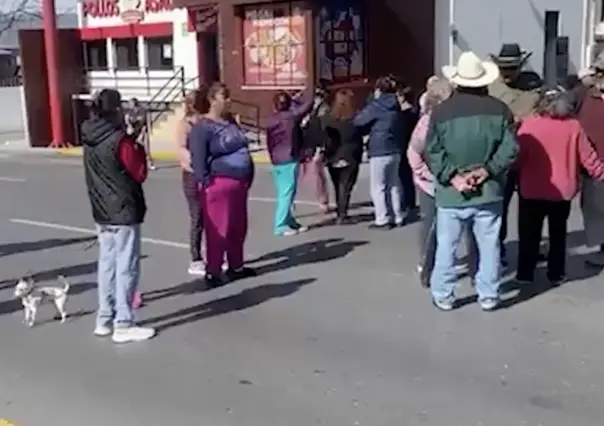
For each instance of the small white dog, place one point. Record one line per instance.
(32, 295)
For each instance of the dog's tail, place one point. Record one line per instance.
(63, 280)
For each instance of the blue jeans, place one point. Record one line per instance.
(386, 189)
(485, 223)
(118, 273)
(285, 177)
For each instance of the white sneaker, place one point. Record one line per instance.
(103, 330)
(132, 334)
(197, 268)
(302, 229)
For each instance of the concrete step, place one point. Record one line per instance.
(165, 128)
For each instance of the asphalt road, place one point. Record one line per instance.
(334, 331)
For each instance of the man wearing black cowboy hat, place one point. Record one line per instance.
(517, 89)
(520, 92)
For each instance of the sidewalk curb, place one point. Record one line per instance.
(259, 157)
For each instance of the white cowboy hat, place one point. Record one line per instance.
(471, 71)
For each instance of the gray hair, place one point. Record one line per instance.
(438, 91)
(555, 104)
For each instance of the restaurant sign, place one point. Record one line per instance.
(130, 11)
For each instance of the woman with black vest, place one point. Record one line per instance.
(115, 167)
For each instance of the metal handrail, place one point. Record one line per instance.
(167, 97)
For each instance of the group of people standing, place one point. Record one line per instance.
(465, 150)
(480, 139)
(312, 132)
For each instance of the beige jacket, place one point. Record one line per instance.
(521, 102)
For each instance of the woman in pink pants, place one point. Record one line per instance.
(223, 166)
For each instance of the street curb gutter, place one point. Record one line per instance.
(259, 157)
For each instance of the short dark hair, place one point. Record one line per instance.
(196, 102)
(282, 101)
(386, 84)
(206, 93)
(107, 103)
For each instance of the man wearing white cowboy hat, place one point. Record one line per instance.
(470, 147)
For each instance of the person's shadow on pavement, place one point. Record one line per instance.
(306, 253)
(243, 300)
(28, 246)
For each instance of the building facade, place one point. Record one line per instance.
(483, 26)
(136, 46)
(263, 47)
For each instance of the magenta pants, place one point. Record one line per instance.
(224, 206)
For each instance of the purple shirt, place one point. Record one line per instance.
(283, 133)
(219, 149)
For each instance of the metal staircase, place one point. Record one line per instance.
(160, 95)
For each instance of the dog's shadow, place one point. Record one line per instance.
(70, 317)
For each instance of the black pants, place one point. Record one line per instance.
(531, 214)
(406, 176)
(427, 234)
(343, 179)
(189, 186)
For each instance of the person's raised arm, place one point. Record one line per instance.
(133, 158)
(199, 140)
(302, 105)
(365, 118)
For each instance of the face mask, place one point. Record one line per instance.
(377, 93)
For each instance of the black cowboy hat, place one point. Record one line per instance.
(511, 56)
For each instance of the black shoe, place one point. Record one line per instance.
(556, 281)
(424, 276)
(385, 227)
(240, 274)
(343, 220)
(524, 281)
(542, 257)
(213, 281)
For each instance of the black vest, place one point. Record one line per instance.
(115, 198)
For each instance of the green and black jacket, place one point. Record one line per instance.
(466, 132)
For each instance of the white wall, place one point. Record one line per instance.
(483, 25)
(184, 44)
(11, 111)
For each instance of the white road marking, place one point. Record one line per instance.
(155, 241)
(273, 200)
(11, 179)
(79, 230)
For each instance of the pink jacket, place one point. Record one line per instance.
(552, 153)
(422, 176)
